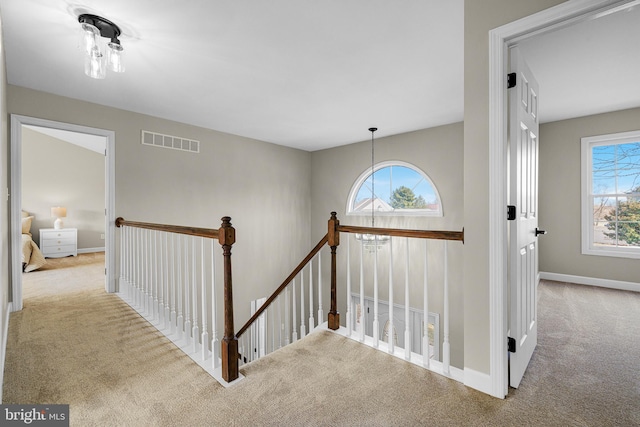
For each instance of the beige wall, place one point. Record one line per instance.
(560, 192)
(263, 187)
(57, 173)
(481, 16)
(436, 151)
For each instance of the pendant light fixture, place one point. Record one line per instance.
(98, 54)
(372, 242)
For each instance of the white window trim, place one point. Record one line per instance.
(398, 212)
(587, 194)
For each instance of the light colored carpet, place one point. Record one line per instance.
(75, 344)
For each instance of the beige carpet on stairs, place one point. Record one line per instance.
(73, 343)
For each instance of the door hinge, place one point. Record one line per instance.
(511, 345)
(511, 80)
(511, 213)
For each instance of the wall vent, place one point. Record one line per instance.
(167, 141)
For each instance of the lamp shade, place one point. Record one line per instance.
(59, 212)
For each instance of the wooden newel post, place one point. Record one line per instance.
(333, 241)
(229, 343)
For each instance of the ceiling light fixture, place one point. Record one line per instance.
(98, 55)
(373, 241)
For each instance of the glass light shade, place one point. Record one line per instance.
(371, 242)
(95, 65)
(115, 57)
(88, 38)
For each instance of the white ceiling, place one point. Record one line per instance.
(303, 73)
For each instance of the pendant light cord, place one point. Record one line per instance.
(373, 193)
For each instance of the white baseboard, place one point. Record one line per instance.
(592, 281)
(479, 381)
(3, 350)
(90, 250)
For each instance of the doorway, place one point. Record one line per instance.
(18, 125)
(500, 40)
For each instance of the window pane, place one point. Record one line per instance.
(604, 182)
(397, 188)
(604, 234)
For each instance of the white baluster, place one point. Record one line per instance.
(160, 278)
(362, 321)
(390, 329)
(287, 335)
(271, 317)
(178, 287)
(280, 324)
(148, 303)
(425, 321)
(138, 269)
(445, 344)
(349, 308)
(294, 333)
(312, 323)
(187, 293)
(376, 320)
(320, 311)
(407, 323)
(156, 287)
(195, 332)
(174, 293)
(125, 265)
(122, 264)
(214, 334)
(303, 329)
(167, 306)
(203, 284)
(139, 277)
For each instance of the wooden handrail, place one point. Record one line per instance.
(284, 284)
(399, 232)
(179, 229)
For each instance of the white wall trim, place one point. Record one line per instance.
(591, 281)
(3, 350)
(478, 380)
(499, 41)
(90, 250)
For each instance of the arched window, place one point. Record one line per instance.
(399, 189)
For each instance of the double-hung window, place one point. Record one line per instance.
(611, 195)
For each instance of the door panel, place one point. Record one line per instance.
(523, 249)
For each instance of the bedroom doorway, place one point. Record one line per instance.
(98, 141)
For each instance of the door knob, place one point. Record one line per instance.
(538, 231)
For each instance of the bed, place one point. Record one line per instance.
(32, 258)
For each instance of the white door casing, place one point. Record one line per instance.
(523, 194)
(17, 121)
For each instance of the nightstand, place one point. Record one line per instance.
(59, 243)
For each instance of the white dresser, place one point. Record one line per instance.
(58, 243)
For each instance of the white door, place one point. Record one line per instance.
(523, 232)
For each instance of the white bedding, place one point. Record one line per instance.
(32, 258)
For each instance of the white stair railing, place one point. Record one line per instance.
(170, 280)
(278, 325)
(401, 326)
